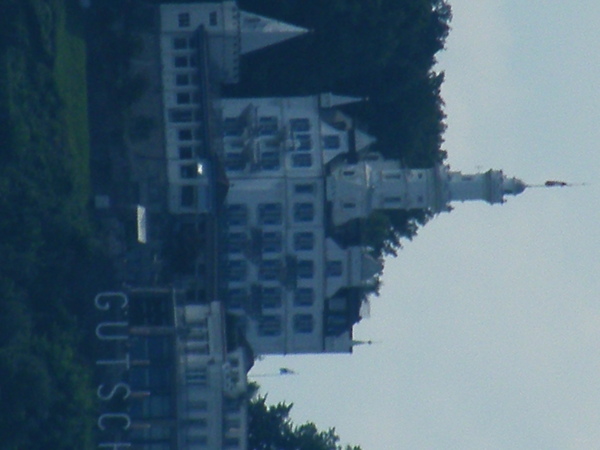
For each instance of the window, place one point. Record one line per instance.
(267, 126)
(197, 376)
(304, 188)
(304, 297)
(334, 268)
(232, 127)
(302, 160)
(237, 298)
(188, 171)
(234, 161)
(182, 79)
(269, 161)
(237, 214)
(348, 205)
(271, 242)
(157, 406)
(269, 325)
(188, 196)
(270, 269)
(331, 142)
(303, 323)
(180, 61)
(392, 199)
(180, 43)
(303, 142)
(348, 173)
(184, 19)
(269, 213)
(305, 269)
(212, 19)
(393, 176)
(185, 153)
(304, 212)
(304, 240)
(184, 134)
(231, 442)
(183, 98)
(300, 125)
(236, 242)
(271, 297)
(193, 61)
(237, 270)
(180, 115)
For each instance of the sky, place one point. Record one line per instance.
(487, 328)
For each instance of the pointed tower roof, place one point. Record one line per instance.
(329, 100)
(363, 140)
(259, 32)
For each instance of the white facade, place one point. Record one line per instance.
(198, 41)
(211, 406)
(283, 272)
(288, 184)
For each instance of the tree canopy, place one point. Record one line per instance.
(270, 427)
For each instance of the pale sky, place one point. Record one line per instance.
(489, 320)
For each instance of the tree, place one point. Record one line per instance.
(270, 428)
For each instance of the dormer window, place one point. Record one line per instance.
(300, 125)
(183, 20)
(331, 142)
(334, 268)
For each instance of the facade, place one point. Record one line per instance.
(202, 44)
(298, 289)
(171, 377)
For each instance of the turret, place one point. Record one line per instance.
(356, 190)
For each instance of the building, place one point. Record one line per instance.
(172, 363)
(201, 44)
(172, 376)
(292, 182)
(356, 190)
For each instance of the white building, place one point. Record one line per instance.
(300, 291)
(198, 42)
(212, 382)
(356, 190)
(290, 183)
(171, 376)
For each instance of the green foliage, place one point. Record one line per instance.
(271, 428)
(49, 256)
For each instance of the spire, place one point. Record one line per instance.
(258, 32)
(490, 186)
(329, 100)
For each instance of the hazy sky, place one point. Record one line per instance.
(489, 321)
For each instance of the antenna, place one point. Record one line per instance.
(282, 372)
(556, 183)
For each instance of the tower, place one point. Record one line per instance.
(356, 190)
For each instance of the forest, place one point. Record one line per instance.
(50, 261)
(52, 264)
